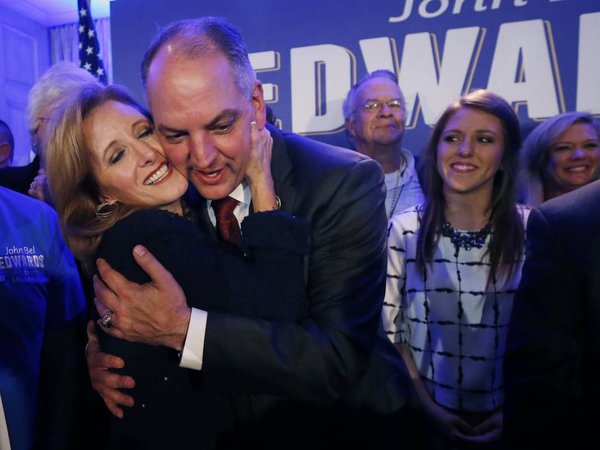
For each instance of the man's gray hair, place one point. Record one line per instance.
(348, 106)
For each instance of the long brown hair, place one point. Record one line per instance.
(74, 189)
(507, 238)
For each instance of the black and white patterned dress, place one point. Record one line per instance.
(454, 325)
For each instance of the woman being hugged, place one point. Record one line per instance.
(113, 189)
(454, 263)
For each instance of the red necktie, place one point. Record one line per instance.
(228, 227)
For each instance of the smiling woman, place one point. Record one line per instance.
(453, 265)
(98, 157)
(559, 156)
(127, 161)
(113, 189)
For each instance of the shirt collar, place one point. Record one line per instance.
(241, 193)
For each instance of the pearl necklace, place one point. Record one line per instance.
(397, 192)
(466, 239)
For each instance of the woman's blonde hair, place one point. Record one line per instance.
(537, 151)
(74, 190)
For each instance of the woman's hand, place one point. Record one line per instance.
(258, 173)
(37, 188)
(449, 425)
(490, 430)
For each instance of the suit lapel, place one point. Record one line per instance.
(281, 169)
(198, 204)
(282, 172)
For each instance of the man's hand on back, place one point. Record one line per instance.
(154, 313)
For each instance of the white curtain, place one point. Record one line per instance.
(64, 42)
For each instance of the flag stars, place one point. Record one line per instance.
(89, 51)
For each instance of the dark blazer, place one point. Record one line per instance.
(296, 381)
(174, 407)
(551, 375)
(19, 178)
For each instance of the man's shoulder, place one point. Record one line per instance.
(311, 163)
(302, 148)
(579, 208)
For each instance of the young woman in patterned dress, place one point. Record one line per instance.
(454, 263)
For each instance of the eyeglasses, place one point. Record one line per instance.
(375, 105)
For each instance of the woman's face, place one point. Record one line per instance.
(574, 158)
(128, 162)
(470, 151)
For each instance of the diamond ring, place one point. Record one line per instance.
(106, 319)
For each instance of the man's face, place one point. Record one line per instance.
(202, 119)
(381, 126)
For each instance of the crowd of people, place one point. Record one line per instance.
(247, 287)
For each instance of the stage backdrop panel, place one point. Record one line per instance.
(541, 55)
(24, 56)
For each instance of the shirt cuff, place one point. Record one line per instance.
(193, 348)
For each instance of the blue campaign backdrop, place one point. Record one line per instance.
(541, 55)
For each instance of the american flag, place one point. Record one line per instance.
(89, 50)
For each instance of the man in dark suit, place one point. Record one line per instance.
(293, 379)
(554, 341)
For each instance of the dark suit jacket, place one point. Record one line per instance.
(19, 178)
(300, 379)
(553, 353)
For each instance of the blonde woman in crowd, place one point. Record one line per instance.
(559, 156)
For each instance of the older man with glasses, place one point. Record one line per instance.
(375, 118)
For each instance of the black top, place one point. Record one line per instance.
(19, 178)
(172, 407)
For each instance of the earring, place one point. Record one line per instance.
(104, 210)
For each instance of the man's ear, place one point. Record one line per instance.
(258, 103)
(349, 127)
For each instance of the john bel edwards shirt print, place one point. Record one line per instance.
(40, 292)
